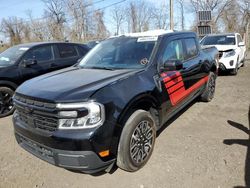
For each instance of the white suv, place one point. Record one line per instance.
(232, 50)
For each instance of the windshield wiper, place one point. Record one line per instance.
(103, 68)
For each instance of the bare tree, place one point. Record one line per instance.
(101, 31)
(181, 5)
(231, 17)
(13, 28)
(216, 6)
(38, 28)
(140, 15)
(78, 11)
(245, 12)
(206, 4)
(133, 16)
(55, 18)
(160, 16)
(118, 16)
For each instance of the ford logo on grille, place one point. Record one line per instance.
(28, 110)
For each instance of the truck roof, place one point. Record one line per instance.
(221, 34)
(32, 44)
(150, 33)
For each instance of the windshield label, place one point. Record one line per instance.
(23, 48)
(4, 59)
(230, 36)
(147, 39)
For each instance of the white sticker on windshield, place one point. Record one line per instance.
(230, 36)
(147, 39)
(5, 59)
(23, 48)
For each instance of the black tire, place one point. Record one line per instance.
(137, 141)
(208, 93)
(235, 70)
(243, 62)
(6, 104)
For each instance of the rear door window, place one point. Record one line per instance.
(41, 54)
(66, 51)
(191, 48)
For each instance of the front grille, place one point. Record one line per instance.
(38, 121)
(36, 114)
(220, 54)
(45, 123)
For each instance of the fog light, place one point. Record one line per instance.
(231, 62)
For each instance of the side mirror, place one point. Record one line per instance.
(241, 44)
(29, 62)
(171, 65)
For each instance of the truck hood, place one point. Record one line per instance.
(71, 84)
(4, 66)
(222, 47)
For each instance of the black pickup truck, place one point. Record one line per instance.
(107, 109)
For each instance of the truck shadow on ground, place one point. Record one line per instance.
(171, 120)
(242, 142)
(226, 73)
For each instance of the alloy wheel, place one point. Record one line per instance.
(6, 104)
(141, 143)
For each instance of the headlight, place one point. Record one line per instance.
(81, 115)
(229, 53)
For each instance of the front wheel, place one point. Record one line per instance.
(6, 104)
(235, 70)
(137, 141)
(209, 91)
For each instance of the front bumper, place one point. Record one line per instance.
(85, 161)
(227, 63)
(75, 150)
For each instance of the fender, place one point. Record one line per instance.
(8, 84)
(143, 100)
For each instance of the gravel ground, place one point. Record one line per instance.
(207, 145)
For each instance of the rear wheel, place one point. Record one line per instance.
(209, 91)
(6, 103)
(137, 141)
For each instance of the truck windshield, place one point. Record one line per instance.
(11, 55)
(120, 53)
(219, 40)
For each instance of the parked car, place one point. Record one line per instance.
(107, 109)
(92, 44)
(26, 61)
(232, 50)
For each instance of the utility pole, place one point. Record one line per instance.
(171, 14)
(247, 36)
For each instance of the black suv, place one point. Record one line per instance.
(25, 61)
(106, 110)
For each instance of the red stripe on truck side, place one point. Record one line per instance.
(179, 95)
(175, 86)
